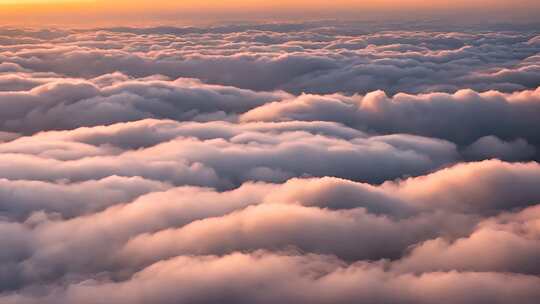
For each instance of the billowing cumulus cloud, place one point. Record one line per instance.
(312, 57)
(317, 162)
(462, 117)
(67, 104)
(491, 146)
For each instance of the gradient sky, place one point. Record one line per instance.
(125, 11)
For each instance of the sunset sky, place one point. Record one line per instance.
(123, 11)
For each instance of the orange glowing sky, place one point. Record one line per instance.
(21, 11)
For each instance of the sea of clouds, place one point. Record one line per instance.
(317, 162)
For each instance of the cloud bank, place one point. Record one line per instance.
(321, 162)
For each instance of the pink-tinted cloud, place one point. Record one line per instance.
(316, 162)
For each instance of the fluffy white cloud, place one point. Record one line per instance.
(462, 117)
(310, 57)
(259, 164)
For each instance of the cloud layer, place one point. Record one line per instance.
(321, 162)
